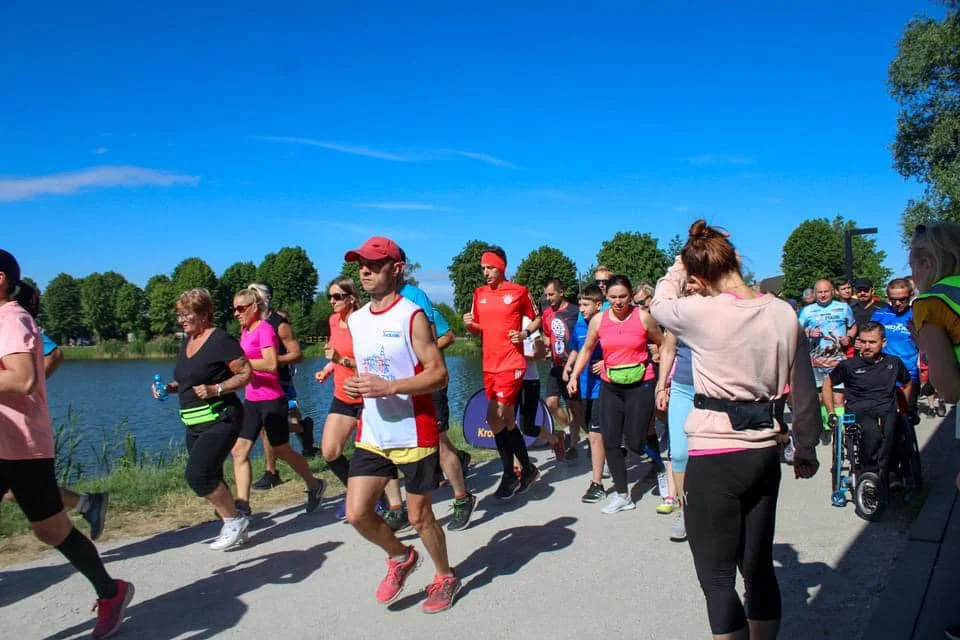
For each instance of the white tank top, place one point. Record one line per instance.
(382, 346)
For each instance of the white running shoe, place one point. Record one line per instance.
(233, 532)
(678, 533)
(618, 502)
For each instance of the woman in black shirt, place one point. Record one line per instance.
(211, 367)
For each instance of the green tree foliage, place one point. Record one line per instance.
(130, 310)
(98, 298)
(465, 274)
(234, 278)
(194, 273)
(161, 295)
(675, 247)
(542, 264)
(814, 250)
(408, 270)
(320, 317)
(454, 319)
(293, 278)
(633, 254)
(61, 304)
(924, 79)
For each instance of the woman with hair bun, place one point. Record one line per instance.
(746, 347)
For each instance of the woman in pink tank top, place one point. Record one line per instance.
(627, 391)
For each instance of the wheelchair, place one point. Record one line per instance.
(854, 481)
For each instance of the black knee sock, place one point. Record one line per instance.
(519, 446)
(340, 467)
(618, 468)
(83, 555)
(506, 451)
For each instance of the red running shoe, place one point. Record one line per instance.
(397, 572)
(441, 594)
(110, 610)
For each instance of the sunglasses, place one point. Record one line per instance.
(240, 308)
(901, 300)
(185, 316)
(338, 297)
(641, 303)
(601, 283)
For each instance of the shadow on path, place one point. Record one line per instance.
(212, 605)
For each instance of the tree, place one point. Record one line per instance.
(814, 250)
(542, 264)
(161, 295)
(98, 298)
(234, 278)
(194, 273)
(454, 319)
(675, 247)
(465, 274)
(408, 270)
(924, 79)
(320, 317)
(292, 276)
(635, 255)
(130, 309)
(61, 303)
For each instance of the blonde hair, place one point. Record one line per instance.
(263, 290)
(253, 295)
(940, 243)
(199, 302)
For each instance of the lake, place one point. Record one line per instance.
(109, 398)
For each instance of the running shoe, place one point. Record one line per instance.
(941, 410)
(441, 594)
(595, 493)
(462, 510)
(232, 533)
(315, 496)
(96, 513)
(397, 519)
(110, 610)
(668, 506)
(678, 533)
(508, 486)
(267, 481)
(788, 452)
(397, 572)
(617, 502)
(528, 478)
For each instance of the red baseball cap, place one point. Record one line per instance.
(375, 248)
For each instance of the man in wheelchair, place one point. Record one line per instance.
(871, 380)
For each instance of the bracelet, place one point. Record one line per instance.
(219, 390)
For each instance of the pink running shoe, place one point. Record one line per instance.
(441, 594)
(110, 610)
(397, 572)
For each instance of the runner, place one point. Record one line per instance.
(557, 322)
(627, 393)
(591, 300)
(398, 367)
(27, 452)
(742, 360)
(265, 405)
(844, 290)
(601, 276)
(344, 410)
(497, 315)
(288, 354)
(866, 302)
(529, 399)
(896, 318)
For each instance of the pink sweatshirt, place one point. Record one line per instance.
(742, 350)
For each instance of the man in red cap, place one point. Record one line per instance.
(398, 368)
(497, 315)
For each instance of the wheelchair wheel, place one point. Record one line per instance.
(868, 496)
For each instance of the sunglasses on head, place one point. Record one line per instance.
(240, 308)
(338, 297)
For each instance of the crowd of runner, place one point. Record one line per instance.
(690, 375)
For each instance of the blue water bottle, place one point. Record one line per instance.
(160, 386)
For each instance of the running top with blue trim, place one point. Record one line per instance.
(833, 320)
(899, 339)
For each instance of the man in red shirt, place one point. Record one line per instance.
(497, 316)
(558, 320)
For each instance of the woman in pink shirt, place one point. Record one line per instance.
(265, 403)
(745, 348)
(627, 389)
(27, 452)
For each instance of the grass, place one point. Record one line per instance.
(148, 495)
(158, 348)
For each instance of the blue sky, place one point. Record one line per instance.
(132, 137)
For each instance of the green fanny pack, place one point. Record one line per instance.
(626, 373)
(202, 414)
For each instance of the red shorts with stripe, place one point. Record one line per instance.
(503, 386)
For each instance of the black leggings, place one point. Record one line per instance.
(209, 446)
(730, 510)
(625, 412)
(527, 404)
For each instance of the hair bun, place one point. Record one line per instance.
(700, 231)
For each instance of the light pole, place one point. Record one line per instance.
(848, 246)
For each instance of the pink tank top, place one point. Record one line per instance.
(624, 342)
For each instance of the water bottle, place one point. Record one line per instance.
(160, 386)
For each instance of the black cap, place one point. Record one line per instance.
(863, 283)
(9, 266)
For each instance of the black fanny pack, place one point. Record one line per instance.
(743, 414)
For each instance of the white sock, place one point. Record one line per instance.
(83, 504)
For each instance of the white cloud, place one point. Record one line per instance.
(353, 150)
(719, 159)
(24, 188)
(399, 206)
(99, 151)
(481, 157)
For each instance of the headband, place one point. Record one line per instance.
(493, 260)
